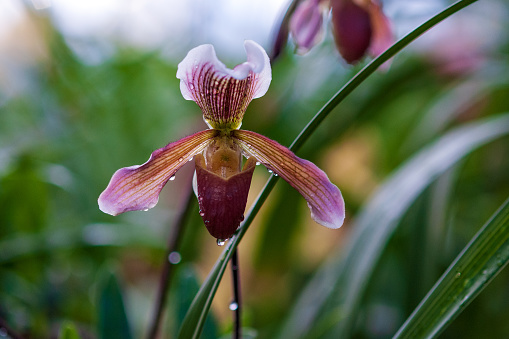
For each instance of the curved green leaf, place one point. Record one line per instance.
(342, 280)
(113, 322)
(479, 262)
(68, 331)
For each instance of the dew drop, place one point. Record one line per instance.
(146, 209)
(174, 258)
(202, 214)
(275, 174)
(181, 159)
(221, 242)
(190, 159)
(191, 86)
(258, 163)
(172, 177)
(233, 306)
(270, 171)
(458, 274)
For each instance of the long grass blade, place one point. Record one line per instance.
(342, 280)
(474, 268)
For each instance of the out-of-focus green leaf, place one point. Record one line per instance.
(112, 317)
(341, 282)
(479, 262)
(68, 331)
(275, 248)
(185, 289)
(196, 315)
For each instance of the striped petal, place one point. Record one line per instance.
(324, 198)
(223, 94)
(137, 187)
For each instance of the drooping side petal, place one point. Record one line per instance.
(223, 94)
(137, 187)
(306, 25)
(323, 198)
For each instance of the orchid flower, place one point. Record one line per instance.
(360, 27)
(222, 184)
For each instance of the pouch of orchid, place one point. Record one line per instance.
(221, 183)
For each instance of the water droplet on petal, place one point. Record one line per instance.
(191, 86)
(233, 306)
(174, 258)
(146, 209)
(221, 242)
(202, 214)
(172, 177)
(181, 159)
(258, 163)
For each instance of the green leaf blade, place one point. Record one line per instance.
(113, 322)
(341, 282)
(68, 331)
(480, 261)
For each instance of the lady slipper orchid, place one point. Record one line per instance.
(222, 183)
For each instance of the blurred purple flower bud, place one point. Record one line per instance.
(306, 25)
(360, 27)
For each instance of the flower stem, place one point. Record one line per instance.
(236, 304)
(169, 267)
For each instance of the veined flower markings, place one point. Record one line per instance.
(221, 182)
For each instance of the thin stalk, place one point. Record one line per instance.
(169, 267)
(235, 306)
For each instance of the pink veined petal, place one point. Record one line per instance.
(324, 198)
(137, 187)
(223, 94)
(306, 25)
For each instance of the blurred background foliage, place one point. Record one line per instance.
(69, 119)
